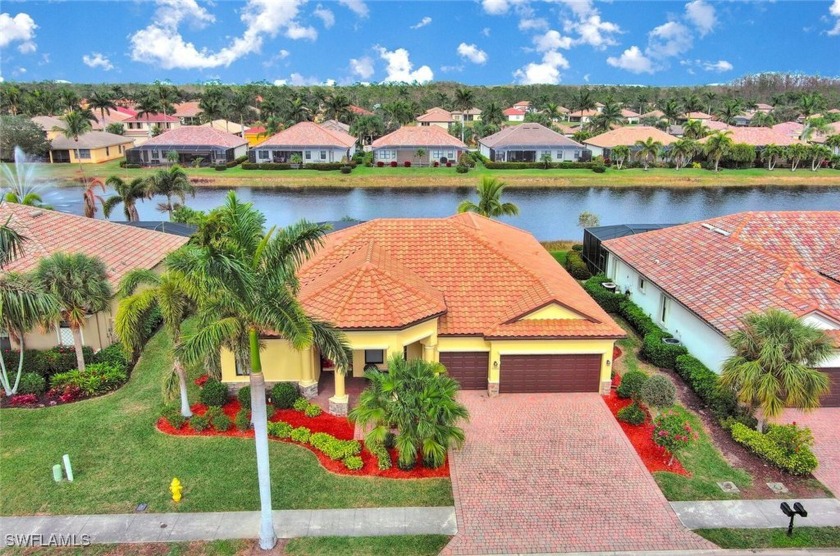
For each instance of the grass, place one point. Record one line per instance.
(409, 545)
(560, 256)
(810, 537)
(200, 548)
(120, 459)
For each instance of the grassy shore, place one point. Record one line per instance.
(447, 177)
(803, 537)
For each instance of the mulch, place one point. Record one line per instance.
(339, 427)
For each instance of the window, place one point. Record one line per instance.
(240, 369)
(308, 155)
(263, 155)
(323, 155)
(384, 155)
(559, 155)
(107, 151)
(641, 284)
(577, 155)
(450, 155)
(84, 153)
(374, 357)
(65, 334)
(155, 153)
(666, 305)
(546, 153)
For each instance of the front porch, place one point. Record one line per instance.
(353, 387)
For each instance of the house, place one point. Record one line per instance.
(312, 142)
(335, 125)
(757, 136)
(529, 142)
(524, 105)
(791, 129)
(111, 117)
(702, 116)
(833, 129)
(514, 114)
(213, 146)
(121, 248)
(743, 119)
(50, 124)
(234, 128)
(188, 113)
(601, 145)
(255, 135)
(762, 107)
(141, 128)
(91, 148)
(404, 144)
(435, 116)
(697, 280)
(655, 114)
(594, 254)
(470, 115)
(630, 117)
(359, 111)
(582, 116)
(483, 298)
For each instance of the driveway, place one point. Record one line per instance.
(823, 424)
(555, 473)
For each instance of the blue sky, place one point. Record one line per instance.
(486, 42)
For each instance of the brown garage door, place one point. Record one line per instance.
(550, 373)
(832, 399)
(469, 368)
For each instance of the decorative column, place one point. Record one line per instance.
(340, 401)
(308, 386)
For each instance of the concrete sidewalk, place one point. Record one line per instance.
(178, 527)
(756, 514)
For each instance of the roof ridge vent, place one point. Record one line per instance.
(715, 229)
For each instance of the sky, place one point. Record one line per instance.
(478, 42)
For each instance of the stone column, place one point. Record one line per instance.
(340, 401)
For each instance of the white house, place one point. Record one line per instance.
(529, 142)
(312, 142)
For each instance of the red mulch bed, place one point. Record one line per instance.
(339, 427)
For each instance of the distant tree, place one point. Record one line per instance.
(647, 151)
(795, 154)
(102, 102)
(464, 100)
(493, 115)
(588, 219)
(619, 155)
(337, 107)
(20, 131)
(609, 116)
(717, 146)
(709, 96)
(127, 193)
(730, 109)
(490, 203)
(818, 154)
(682, 151)
(367, 126)
(771, 154)
(672, 110)
(115, 128)
(762, 119)
(695, 129)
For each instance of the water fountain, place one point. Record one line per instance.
(21, 184)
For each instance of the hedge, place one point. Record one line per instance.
(321, 166)
(706, 385)
(609, 301)
(576, 267)
(266, 166)
(538, 165)
(663, 355)
(799, 461)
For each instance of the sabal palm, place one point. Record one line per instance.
(127, 193)
(695, 129)
(771, 154)
(102, 102)
(490, 203)
(682, 151)
(170, 182)
(718, 145)
(773, 364)
(647, 150)
(80, 285)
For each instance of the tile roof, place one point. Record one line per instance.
(528, 135)
(436, 114)
(654, 114)
(715, 125)
(523, 103)
(481, 274)
(255, 130)
(225, 125)
(833, 129)
(469, 112)
(91, 140)
(629, 135)
(47, 123)
(196, 135)
(310, 134)
(336, 126)
(514, 112)
(583, 113)
(187, 109)
(791, 129)
(725, 267)
(121, 248)
(697, 116)
(757, 136)
(152, 118)
(625, 113)
(418, 136)
(359, 110)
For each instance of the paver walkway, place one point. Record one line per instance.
(555, 473)
(824, 425)
(178, 527)
(756, 514)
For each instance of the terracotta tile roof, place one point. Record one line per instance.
(225, 125)
(791, 129)
(757, 136)
(629, 135)
(625, 113)
(187, 109)
(91, 140)
(528, 135)
(310, 134)
(469, 112)
(256, 130)
(418, 136)
(152, 118)
(514, 112)
(698, 116)
(360, 111)
(524, 103)
(126, 110)
(479, 273)
(725, 267)
(336, 126)
(583, 113)
(715, 125)
(121, 248)
(47, 123)
(196, 135)
(436, 114)
(833, 129)
(654, 114)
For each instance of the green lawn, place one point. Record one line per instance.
(810, 537)
(200, 548)
(409, 545)
(560, 256)
(120, 459)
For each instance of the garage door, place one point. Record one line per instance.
(550, 373)
(469, 368)
(832, 399)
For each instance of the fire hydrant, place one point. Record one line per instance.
(175, 488)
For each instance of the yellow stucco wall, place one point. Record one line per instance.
(281, 362)
(98, 332)
(552, 311)
(255, 139)
(100, 155)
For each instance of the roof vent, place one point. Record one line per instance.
(715, 229)
(36, 213)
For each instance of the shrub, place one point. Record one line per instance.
(407, 164)
(706, 385)
(632, 414)
(383, 458)
(199, 422)
(345, 169)
(269, 410)
(32, 383)
(599, 167)
(312, 410)
(221, 168)
(608, 300)
(98, 378)
(266, 166)
(173, 417)
(283, 395)
(33, 361)
(132, 166)
(353, 463)
(280, 429)
(406, 466)
(577, 247)
(658, 352)
(23, 399)
(394, 164)
(435, 164)
(672, 432)
(631, 384)
(61, 359)
(460, 169)
(300, 404)
(576, 267)
(540, 165)
(390, 440)
(637, 318)
(214, 393)
(243, 420)
(244, 397)
(221, 422)
(300, 434)
(328, 166)
(658, 392)
(785, 446)
(113, 355)
(212, 412)
(380, 164)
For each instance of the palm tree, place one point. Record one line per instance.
(771, 154)
(296, 110)
(730, 109)
(127, 193)
(682, 151)
(610, 115)
(102, 102)
(464, 100)
(773, 364)
(692, 103)
(80, 285)
(31, 199)
(620, 154)
(239, 107)
(89, 197)
(710, 98)
(762, 119)
(647, 150)
(490, 203)
(171, 182)
(76, 124)
(695, 129)
(212, 105)
(672, 110)
(833, 141)
(718, 145)
(255, 292)
(367, 125)
(147, 105)
(809, 104)
(493, 115)
(818, 154)
(337, 107)
(11, 243)
(583, 100)
(166, 95)
(794, 154)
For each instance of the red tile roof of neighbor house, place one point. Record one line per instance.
(726, 267)
(654, 114)
(482, 276)
(514, 112)
(196, 135)
(757, 136)
(153, 118)
(629, 135)
(310, 134)
(187, 109)
(698, 116)
(122, 248)
(436, 114)
(359, 110)
(583, 113)
(625, 113)
(833, 129)
(528, 135)
(791, 129)
(418, 136)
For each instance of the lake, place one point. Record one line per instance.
(547, 213)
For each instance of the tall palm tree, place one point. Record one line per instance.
(582, 100)
(166, 95)
(127, 193)
(490, 203)
(171, 182)
(493, 115)
(464, 100)
(682, 151)
(718, 145)
(695, 129)
(367, 125)
(258, 295)
(103, 102)
(709, 96)
(795, 154)
(692, 103)
(337, 107)
(809, 104)
(80, 285)
(730, 109)
(610, 115)
(773, 364)
(89, 197)
(68, 99)
(647, 151)
(212, 105)
(147, 105)
(771, 154)
(672, 110)
(297, 111)
(240, 107)
(619, 155)
(76, 124)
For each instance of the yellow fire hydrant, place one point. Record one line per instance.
(175, 488)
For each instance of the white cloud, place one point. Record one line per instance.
(632, 60)
(450, 69)
(834, 10)
(97, 60)
(472, 53)
(296, 32)
(363, 67)
(400, 67)
(486, 31)
(422, 23)
(18, 29)
(282, 55)
(325, 15)
(495, 7)
(702, 15)
(358, 7)
(533, 24)
(592, 30)
(668, 40)
(552, 40)
(548, 71)
(720, 66)
(299, 80)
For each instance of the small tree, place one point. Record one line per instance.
(672, 432)
(588, 219)
(619, 155)
(717, 146)
(658, 392)
(546, 160)
(771, 154)
(795, 153)
(419, 154)
(647, 151)
(172, 157)
(115, 128)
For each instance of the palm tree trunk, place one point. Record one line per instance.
(182, 384)
(258, 415)
(169, 206)
(77, 344)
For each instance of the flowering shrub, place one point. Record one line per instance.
(393, 164)
(23, 399)
(632, 414)
(672, 432)
(200, 381)
(380, 164)
(407, 164)
(436, 164)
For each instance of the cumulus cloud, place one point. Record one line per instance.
(486, 31)
(720, 66)
(325, 15)
(97, 60)
(472, 53)
(422, 23)
(495, 7)
(632, 60)
(358, 7)
(299, 80)
(552, 40)
(362, 67)
(547, 71)
(399, 67)
(533, 24)
(702, 16)
(669, 40)
(834, 10)
(19, 29)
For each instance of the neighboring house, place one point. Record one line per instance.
(594, 253)
(483, 298)
(164, 226)
(658, 114)
(52, 125)
(515, 114)
(524, 105)
(255, 135)
(91, 148)
(111, 117)
(435, 116)
(529, 142)
(602, 145)
(359, 111)
(188, 113)
(744, 119)
(791, 129)
(833, 129)
(757, 136)
(227, 126)
(403, 145)
(716, 125)
(213, 146)
(630, 117)
(142, 128)
(471, 115)
(697, 280)
(335, 125)
(702, 116)
(582, 116)
(765, 108)
(121, 248)
(312, 142)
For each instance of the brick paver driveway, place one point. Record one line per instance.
(823, 423)
(555, 473)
